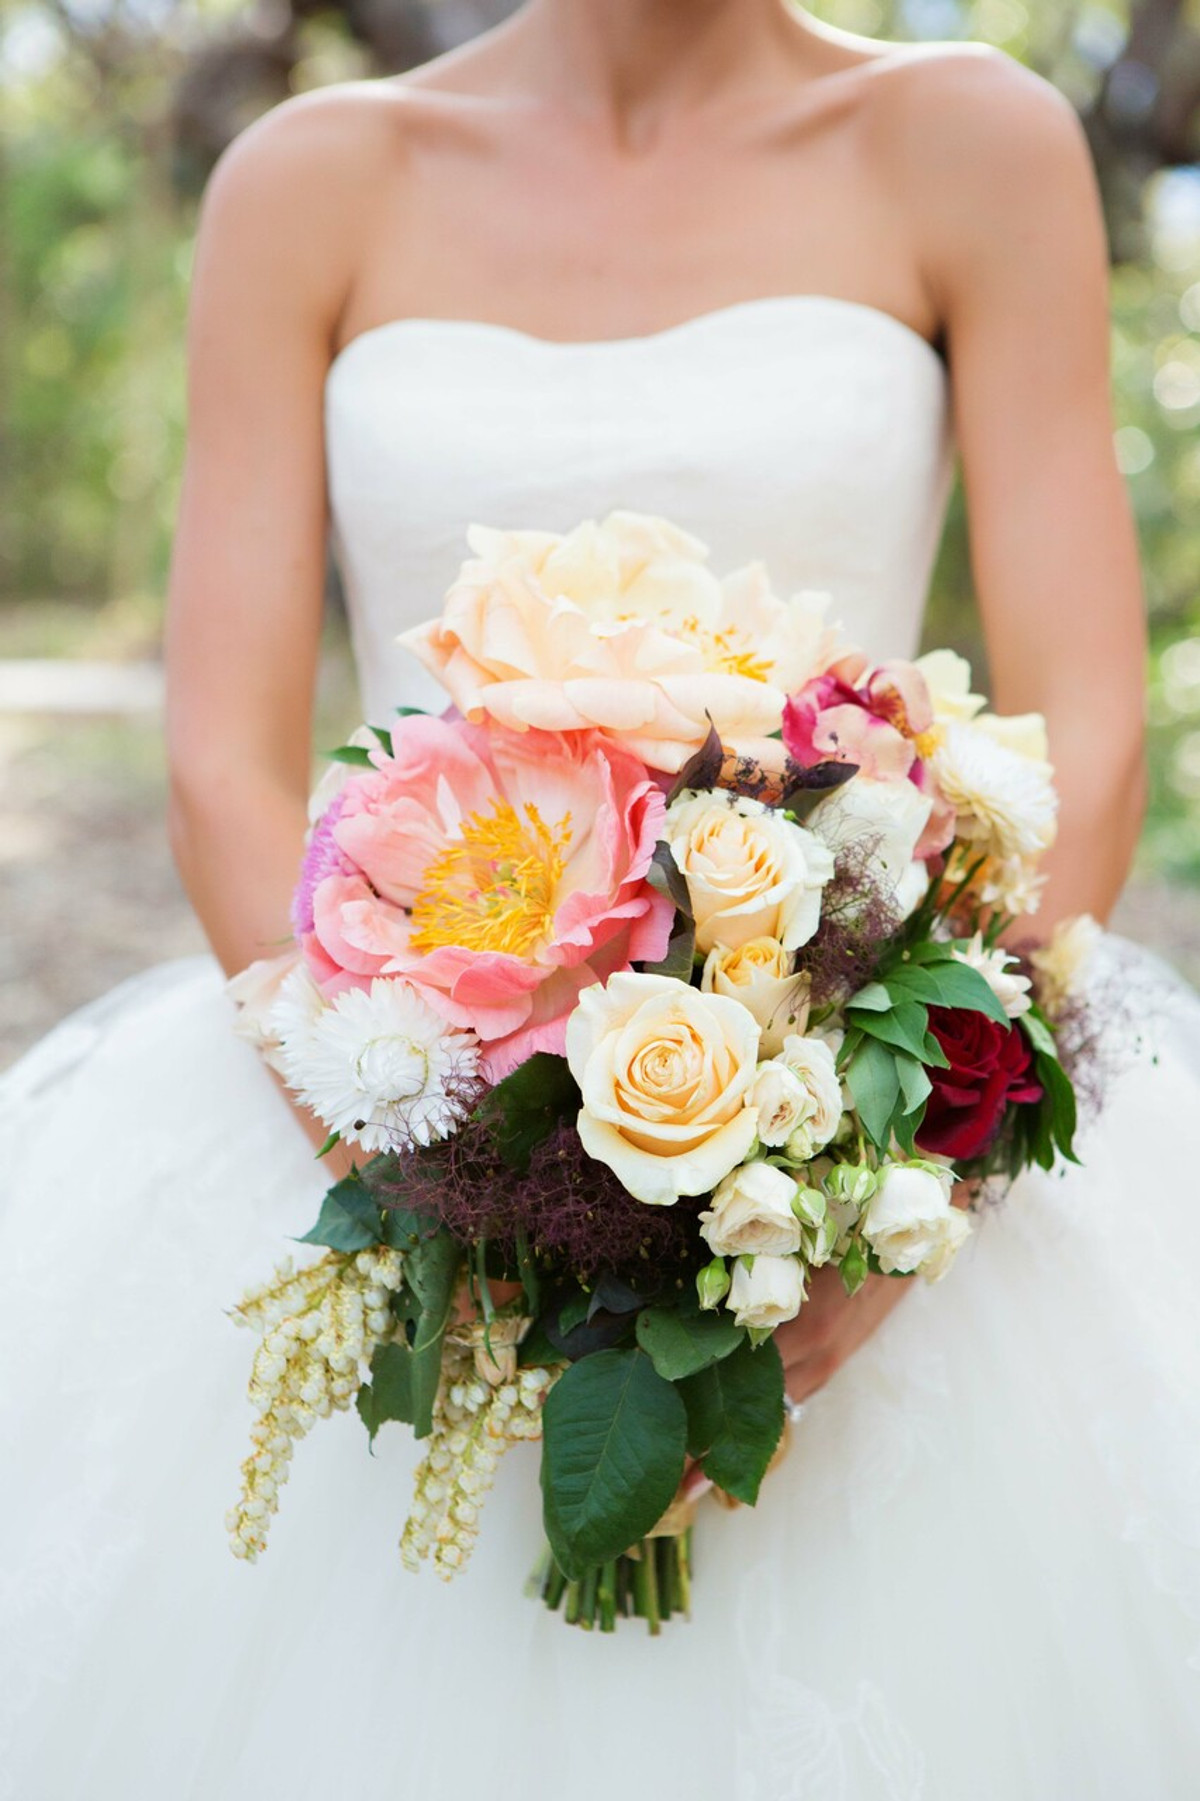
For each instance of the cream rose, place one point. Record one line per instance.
(781, 1099)
(886, 819)
(759, 974)
(750, 871)
(766, 1291)
(812, 1064)
(752, 1211)
(910, 1223)
(665, 1073)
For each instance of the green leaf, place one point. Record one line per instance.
(665, 875)
(536, 1349)
(431, 1271)
(349, 1218)
(679, 1344)
(385, 739)
(389, 1394)
(874, 998)
(915, 1086)
(735, 1417)
(680, 951)
(946, 983)
(523, 1109)
(1060, 1098)
(404, 1230)
(905, 1028)
(356, 755)
(612, 1457)
(1036, 1028)
(874, 1084)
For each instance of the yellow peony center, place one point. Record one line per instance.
(926, 743)
(494, 887)
(729, 651)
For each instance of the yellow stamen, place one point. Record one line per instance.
(926, 743)
(494, 887)
(728, 650)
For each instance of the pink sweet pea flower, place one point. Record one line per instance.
(879, 717)
(499, 872)
(858, 714)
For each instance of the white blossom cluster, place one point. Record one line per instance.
(474, 1423)
(320, 1326)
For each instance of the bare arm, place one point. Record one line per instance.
(248, 571)
(1017, 265)
(1004, 205)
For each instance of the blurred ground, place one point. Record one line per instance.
(88, 894)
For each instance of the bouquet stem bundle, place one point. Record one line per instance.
(651, 1581)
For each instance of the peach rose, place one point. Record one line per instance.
(759, 973)
(665, 1074)
(751, 872)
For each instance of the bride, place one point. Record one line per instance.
(709, 259)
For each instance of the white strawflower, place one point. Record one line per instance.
(1005, 801)
(999, 971)
(377, 1065)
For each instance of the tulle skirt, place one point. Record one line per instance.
(975, 1577)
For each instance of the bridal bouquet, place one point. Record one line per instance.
(659, 973)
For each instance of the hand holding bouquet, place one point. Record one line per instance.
(660, 972)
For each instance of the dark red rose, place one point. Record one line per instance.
(989, 1072)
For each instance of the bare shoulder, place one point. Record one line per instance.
(964, 123)
(310, 155)
(294, 199)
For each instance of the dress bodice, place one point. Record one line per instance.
(810, 433)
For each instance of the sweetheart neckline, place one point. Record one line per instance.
(700, 322)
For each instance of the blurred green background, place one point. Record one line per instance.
(111, 114)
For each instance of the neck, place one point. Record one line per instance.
(635, 60)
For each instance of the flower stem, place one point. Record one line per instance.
(645, 1587)
(606, 1596)
(587, 1606)
(574, 1598)
(665, 1556)
(684, 1552)
(556, 1583)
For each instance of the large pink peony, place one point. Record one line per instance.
(499, 872)
(621, 627)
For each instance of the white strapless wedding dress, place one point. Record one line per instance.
(977, 1575)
